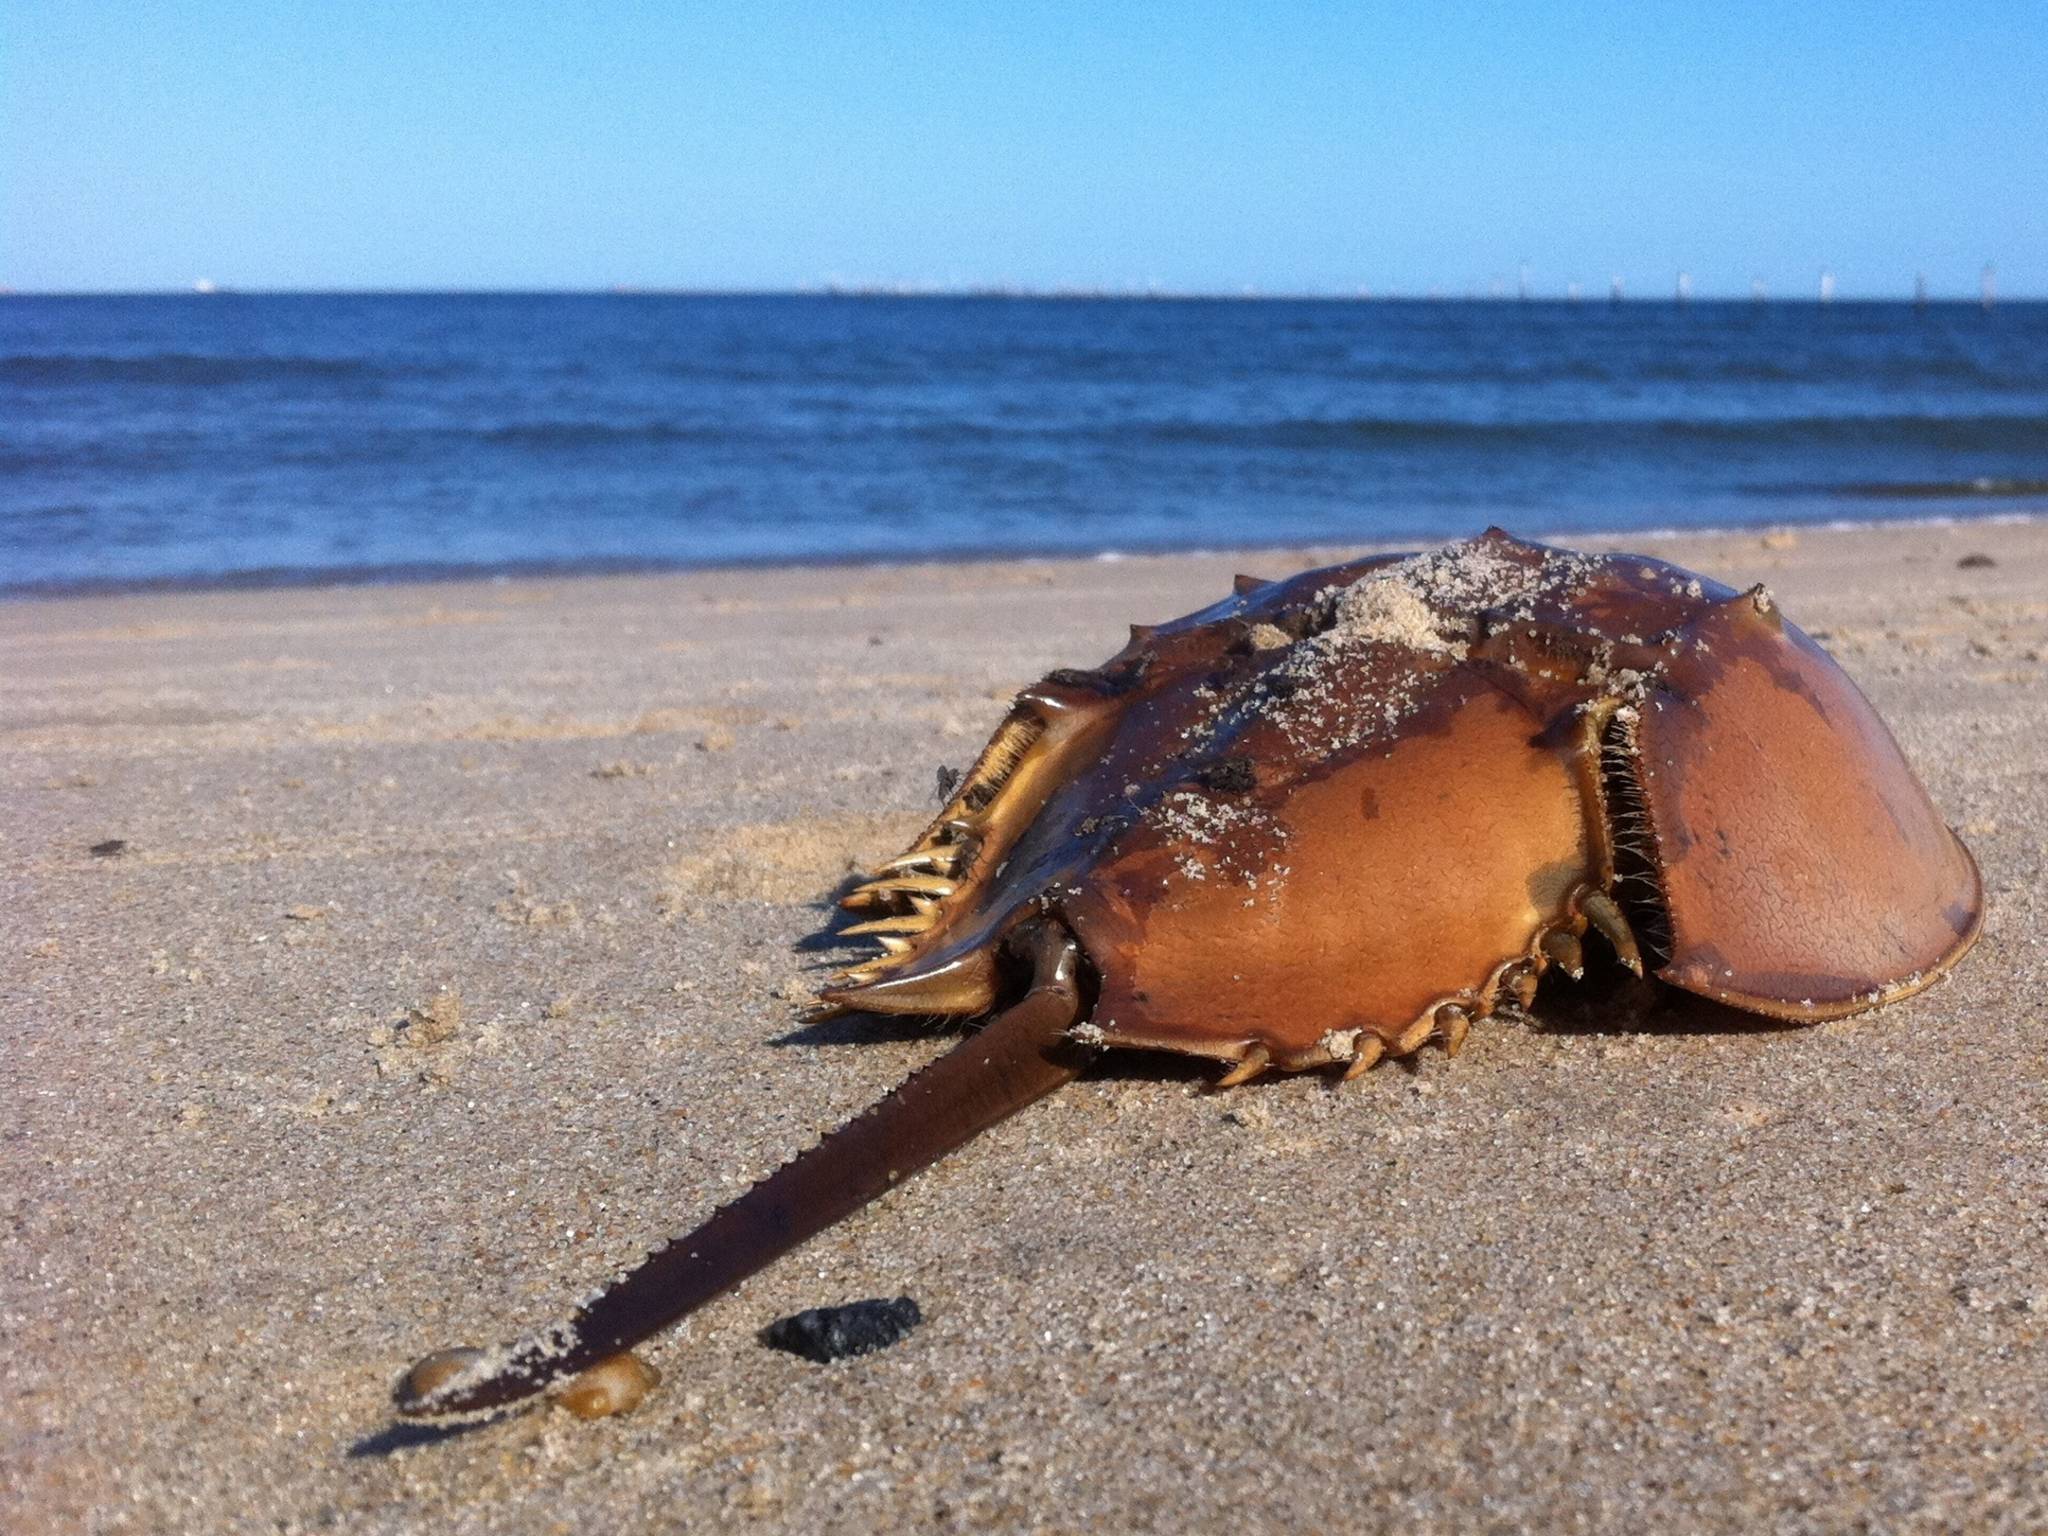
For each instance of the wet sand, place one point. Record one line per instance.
(379, 967)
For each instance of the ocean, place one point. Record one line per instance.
(257, 438)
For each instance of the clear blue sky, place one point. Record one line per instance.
(360, 144)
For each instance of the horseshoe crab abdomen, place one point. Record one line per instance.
(1400, 877)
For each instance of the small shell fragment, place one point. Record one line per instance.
(432, 1372)
(610, 1387)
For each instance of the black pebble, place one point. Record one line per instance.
(825, 1334)
(111, 848)
(1975, 562)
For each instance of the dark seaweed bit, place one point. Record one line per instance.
(1106, 681)
(113, 847)
(1229, 776)
(825, 1334)
(1074, 677)
(1977, 561)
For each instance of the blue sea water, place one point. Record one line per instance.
(233, 437)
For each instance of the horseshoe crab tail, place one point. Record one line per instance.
(1017, 1058)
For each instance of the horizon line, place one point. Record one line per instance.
(428, 573)
(205, 289)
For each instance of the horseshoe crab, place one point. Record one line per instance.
(1328, 820)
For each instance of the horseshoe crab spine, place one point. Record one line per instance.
(1019, 1057)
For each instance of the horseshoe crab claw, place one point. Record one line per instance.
(1333, 819)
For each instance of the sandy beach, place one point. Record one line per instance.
(380, 966)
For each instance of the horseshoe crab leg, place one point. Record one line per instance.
(1017, 1058)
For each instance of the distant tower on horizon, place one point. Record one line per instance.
(1827, 286)
(1919, 290)
(1684, 287)
(1614, 290)
(1757, 292)
(1522, 283)
(1571, 292)
(1987, 286)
